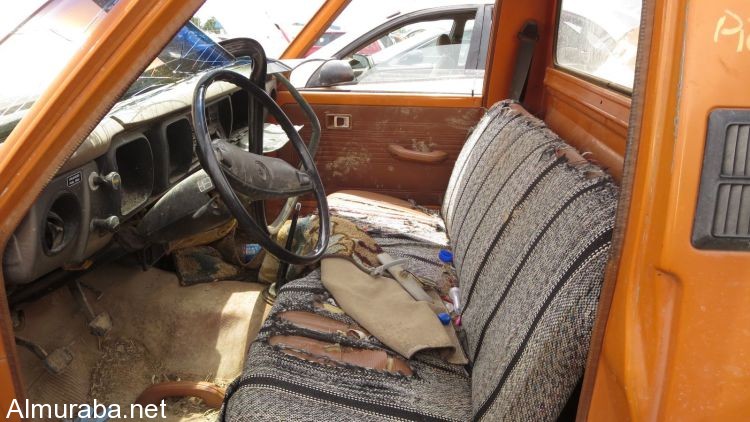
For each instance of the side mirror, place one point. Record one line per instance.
(331, 73)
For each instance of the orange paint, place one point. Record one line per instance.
(676, 344)
(507, 22)
(591, 118)
(317, 25)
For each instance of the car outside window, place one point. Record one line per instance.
(422, 47)
(599, 39)
(424, 56)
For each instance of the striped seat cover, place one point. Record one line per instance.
(530, 230)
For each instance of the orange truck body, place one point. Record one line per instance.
(672, 340)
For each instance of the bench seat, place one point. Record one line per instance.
(530, 224)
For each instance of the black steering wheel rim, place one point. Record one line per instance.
(211, 165)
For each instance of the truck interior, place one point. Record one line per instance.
(428, 233)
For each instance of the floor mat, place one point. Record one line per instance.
(161, 332)
(125, 366)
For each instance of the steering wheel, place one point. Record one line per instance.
(257, 177)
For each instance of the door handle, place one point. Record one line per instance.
(338, 121)
(431, 157)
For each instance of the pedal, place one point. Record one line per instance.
(55, 362)
(99, 324)
(58, 360)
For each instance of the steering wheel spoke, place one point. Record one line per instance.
(260, 177)
(257, 177)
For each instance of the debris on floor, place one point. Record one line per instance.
(204, 264)
(191, 409)
(126, 367)
(230, 254)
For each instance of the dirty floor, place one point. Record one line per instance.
(161, 332)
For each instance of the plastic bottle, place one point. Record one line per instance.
(454, 293)
(250, 251)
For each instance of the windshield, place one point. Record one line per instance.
(44, 43)
(274, 24)
(190, 52)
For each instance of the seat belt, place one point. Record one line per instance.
(528, 38)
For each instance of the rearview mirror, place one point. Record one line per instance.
(332, 72)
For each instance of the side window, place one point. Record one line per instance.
(599, 39)
(426, 50)
(463, 52)
(424, 45)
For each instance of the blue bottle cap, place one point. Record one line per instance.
(444, 318)
(445, 256)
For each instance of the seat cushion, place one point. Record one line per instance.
(276, 385)
(530, 224)
(389, 217)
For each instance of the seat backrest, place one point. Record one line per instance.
(530, 223)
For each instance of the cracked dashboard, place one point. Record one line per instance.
(142, 148)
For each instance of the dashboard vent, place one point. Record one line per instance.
(722, 218)
(135, 163)
(179, 136)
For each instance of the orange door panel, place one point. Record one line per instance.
(404, 151)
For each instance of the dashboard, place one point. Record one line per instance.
(141, 149)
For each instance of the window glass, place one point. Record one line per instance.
(14, 13)
(411, 44)
(274, 24)
(38, 48)
(599, 38)
(426, 53)
(463, 52)
(189, 53)
(42, 46)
